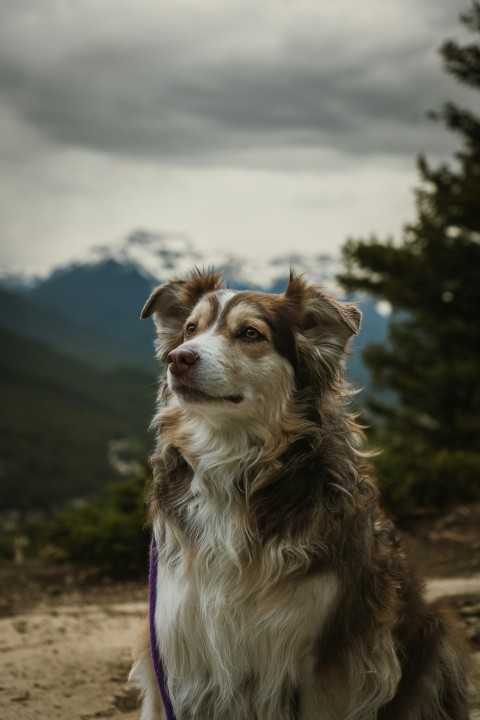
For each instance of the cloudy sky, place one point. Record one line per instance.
(260, 126)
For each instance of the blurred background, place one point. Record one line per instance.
(139, 139)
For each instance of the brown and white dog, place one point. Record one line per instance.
(283, 590)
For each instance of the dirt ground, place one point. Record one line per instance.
(65, 639)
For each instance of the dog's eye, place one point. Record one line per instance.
(251, 333)
(190, 328)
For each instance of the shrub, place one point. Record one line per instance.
(109, 533)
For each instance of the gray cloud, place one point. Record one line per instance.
(182, 92)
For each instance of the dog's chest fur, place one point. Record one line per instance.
(230, 652)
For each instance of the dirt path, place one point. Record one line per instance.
(69, 662)
(72, 660)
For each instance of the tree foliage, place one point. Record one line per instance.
(431, 427)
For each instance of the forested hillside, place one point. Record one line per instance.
(29, 318)
(58, 417)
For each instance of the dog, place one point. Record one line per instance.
(282, 589)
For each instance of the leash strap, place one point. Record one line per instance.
(156, 660)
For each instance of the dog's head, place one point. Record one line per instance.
(231, 352)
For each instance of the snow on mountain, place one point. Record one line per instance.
(15, 281)
(158, 256)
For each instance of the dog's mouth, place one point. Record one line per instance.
(194, 395)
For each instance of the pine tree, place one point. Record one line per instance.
(431, 364)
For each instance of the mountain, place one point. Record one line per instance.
(158, 256)
(28, 318)
(15, 281)
(374, 328)
(58, 421)
(106, 297)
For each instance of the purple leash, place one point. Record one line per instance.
(156, 660)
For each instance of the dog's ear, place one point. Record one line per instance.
(319, 311)
(166, 302)
(324, 327)
(171, 303)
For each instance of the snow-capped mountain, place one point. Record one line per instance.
(158, 256)
(16, 281)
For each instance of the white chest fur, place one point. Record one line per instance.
(231, 654)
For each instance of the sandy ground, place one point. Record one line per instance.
(69, 662)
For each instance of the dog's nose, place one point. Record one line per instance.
(180, 361)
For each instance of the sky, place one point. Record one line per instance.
(260, 127)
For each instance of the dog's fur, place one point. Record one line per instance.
(283, 590)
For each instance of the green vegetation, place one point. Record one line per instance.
(431, 427)
(108, 534)
(58, 417)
